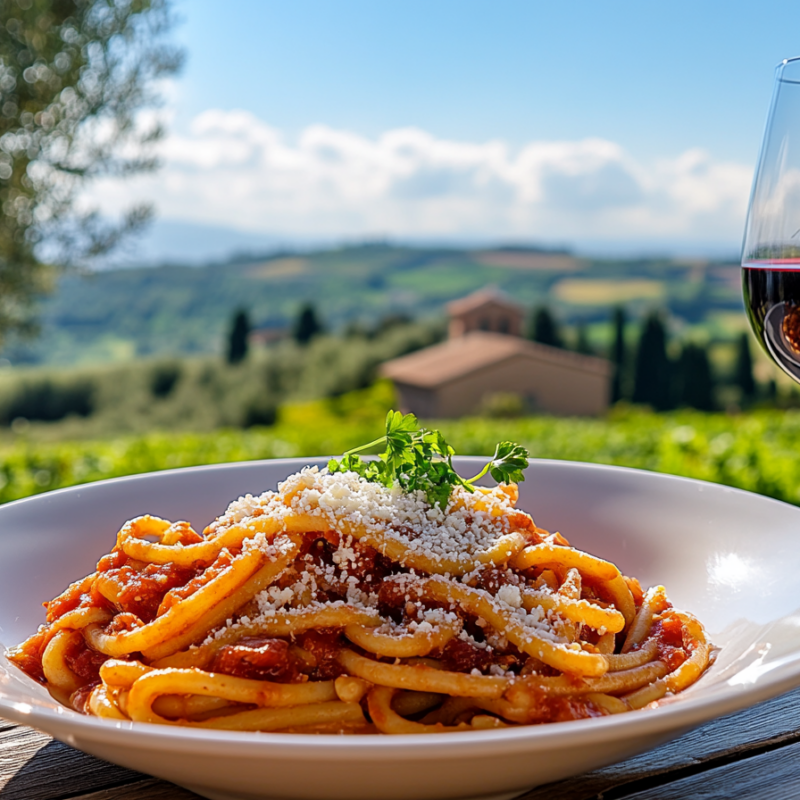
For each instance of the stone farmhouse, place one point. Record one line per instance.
(485, 354)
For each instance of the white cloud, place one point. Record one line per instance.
(233, 169)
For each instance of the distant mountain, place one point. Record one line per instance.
(170, 241)
(117, 314)
(189, 243)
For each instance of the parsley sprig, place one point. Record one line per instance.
(419, 459)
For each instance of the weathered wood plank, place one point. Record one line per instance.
(35, 767)
(774, 775)
(147, 789)
(769, 725)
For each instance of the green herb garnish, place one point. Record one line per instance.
(419, 459)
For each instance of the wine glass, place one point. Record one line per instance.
(771, 250)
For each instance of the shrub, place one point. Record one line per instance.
(503, 405)
(202, 393)
(47, 398)
(163, 378)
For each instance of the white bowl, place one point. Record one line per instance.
(730, 557)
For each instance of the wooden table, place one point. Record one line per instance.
(752, 754)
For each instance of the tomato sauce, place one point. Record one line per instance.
(76, 594)
(28, 656)
(563, 709)
(493, 578)
(460, 656)
(141, 592)
(84, 661)
(324, 645)
(202, 576)
(260, 658)
(668, 632)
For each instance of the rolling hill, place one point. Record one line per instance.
(121, 314)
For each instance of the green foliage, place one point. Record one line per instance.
(47, 397)
(419, 459)
(259, 408)
(653, 371)
(307, 325)
(391, 320)
(582, 343)
(544, 328)
(238, 337)
(618, 355)
(695, 380)
(163, 378)
(743, 376)
(199, 393)
(503, 405)
(74, 79)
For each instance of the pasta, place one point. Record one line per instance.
(337, 604)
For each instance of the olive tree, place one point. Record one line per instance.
(76, 80)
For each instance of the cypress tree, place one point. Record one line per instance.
(772, 390)
(696, 380)
(544, 328)
(582, 342)
(743, 376)
(618, 354)
(652, 372)
(307, 325)
(238, 336)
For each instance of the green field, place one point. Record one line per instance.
(589, 292)
(756, 451)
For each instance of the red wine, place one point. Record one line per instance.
(771, 292)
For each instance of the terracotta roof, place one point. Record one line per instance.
(267, 335)
(437, 365)
(481, 298)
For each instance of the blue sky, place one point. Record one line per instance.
(655, 77)
(601, 125)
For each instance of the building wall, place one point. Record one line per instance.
(414, 400)
(490, 317)
(549, 388)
